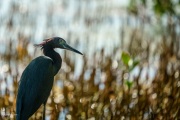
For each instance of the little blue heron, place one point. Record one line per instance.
(37, 79)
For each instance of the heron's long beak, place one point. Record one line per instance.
(66, 46)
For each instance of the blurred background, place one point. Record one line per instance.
(131, 64)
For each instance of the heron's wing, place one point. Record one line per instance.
(35, 86)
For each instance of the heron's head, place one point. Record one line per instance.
(57, 42)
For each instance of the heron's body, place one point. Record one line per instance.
(36, 82)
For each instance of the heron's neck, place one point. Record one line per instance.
(48, 51)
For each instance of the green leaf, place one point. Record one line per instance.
(134, 64)
(129, 83)
(125, 58)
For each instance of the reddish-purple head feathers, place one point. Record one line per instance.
(43, 43)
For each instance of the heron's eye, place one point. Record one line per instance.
(61, 42)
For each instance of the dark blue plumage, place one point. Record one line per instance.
(37, 79)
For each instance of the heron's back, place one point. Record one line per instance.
(35, 85)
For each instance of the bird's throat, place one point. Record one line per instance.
(54, 56)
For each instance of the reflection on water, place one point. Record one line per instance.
(95, 22)
(87, 25)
